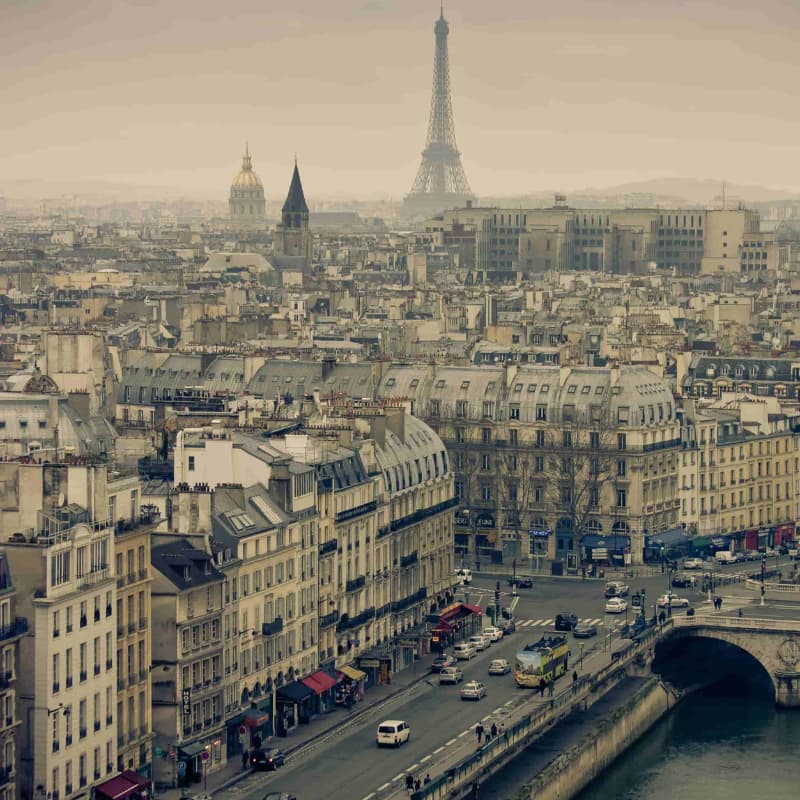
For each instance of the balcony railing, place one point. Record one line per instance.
(409, 560)
(423, 513)
(271, 628)
(328, 547)
(329, 619)
(385, 530)
(352, 513)
(356, 583)
(401, 605)
(346, 622)
(16, 628)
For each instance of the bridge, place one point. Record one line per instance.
(773, 643)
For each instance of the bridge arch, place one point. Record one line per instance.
(775, 652)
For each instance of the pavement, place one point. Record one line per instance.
(316, 733)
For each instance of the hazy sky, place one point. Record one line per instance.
(546, 94)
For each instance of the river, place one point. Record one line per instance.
(720, 744)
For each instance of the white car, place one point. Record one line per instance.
(694, 563)
(499, 666)
(473, 690)
(495, 634)
(392, 732)
(480, 642)
(464, 575)
(616, 605)
(451, 675)
(464, 651)
(673, 601)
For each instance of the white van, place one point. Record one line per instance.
(392, 733)
(726, 557)
(464, 651)
(464, 575)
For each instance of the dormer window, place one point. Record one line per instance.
(187, 573)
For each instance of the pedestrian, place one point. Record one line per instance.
(541, 688)
(575, 676)
(551, 689)
(417, 785)
(740, 613)
(409, 783)
(494, 730)
(720, 604)
(478, 732)
(487, 736)
(427, 778)
(245, 758)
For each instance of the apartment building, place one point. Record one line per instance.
(739, 473)
(187, 645)
(548, 460)
(64, 575)
(12, 629)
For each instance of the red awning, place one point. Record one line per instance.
(255, 718)
(123, 786)
(473, 609)
(441, 625)
(319, 682)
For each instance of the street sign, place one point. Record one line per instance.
(186, 702)
(205, 755)
(181, 768)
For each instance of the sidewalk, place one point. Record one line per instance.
(314, 732)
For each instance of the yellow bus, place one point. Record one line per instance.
(541, 663)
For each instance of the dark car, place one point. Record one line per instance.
(566, 621)
(267, 760)
(279, 796)
(681, 581)
(584, 630)
(442, 661)
(521, 582)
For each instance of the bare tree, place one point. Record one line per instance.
(579, 465)
(516, 490)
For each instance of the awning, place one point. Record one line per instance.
(443, 626)
(353, 673)
(294, 692)
(701, 541)
(124, 785)
(473, 609)
(191, 750)
(609, 541)
(319, 682)
(672, 537)
(254, 718)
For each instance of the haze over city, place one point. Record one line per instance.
(545, 97)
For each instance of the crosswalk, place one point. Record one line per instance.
(548, 623)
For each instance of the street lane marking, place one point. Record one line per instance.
(424, 759)
(367, 797)
(397, 777)
(549, 622)
(412, 767)
(385, 785)
(438, 750)
(463, 733)
(488, 716)
(450, 742)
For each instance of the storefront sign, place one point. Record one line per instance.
(485, 521)
(369, 663)
(535, 532)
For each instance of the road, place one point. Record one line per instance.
(351, 767)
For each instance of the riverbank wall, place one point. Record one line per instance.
(574, 769)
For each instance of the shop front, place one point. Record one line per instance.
(323, 686)
(192, 769)
(350, 686)
(377, 668)
(294, 705)
(668, 545)
(784, 534)
(127, 785)
(453, 624)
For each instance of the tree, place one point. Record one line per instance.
(579, 465)
(516, 491)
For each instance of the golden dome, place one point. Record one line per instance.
(246, 179)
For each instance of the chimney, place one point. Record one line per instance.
(328, 363)
(191, 510)
(396, 422)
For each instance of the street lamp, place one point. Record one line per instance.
(763, 576)
(710, 584)
(582, 656)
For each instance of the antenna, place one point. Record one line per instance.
(723, 195)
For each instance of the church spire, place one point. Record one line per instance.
(295, 200)
(247, 163)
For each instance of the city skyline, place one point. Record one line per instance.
(543, 100)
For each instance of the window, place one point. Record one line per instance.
(486, 462)
(622, 441)
(461, 408)
(513, 411)
(541, 413)
(191, 463)
(538, 464)
(567, 438)
(572, 388)
(623, 413)
(621, 468)
(488, 408)
(594, 440)
(622, 498)
(513, 437)
(486, 435)
(539, 439)
(486, 493)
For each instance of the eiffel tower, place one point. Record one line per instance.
(440, 182)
